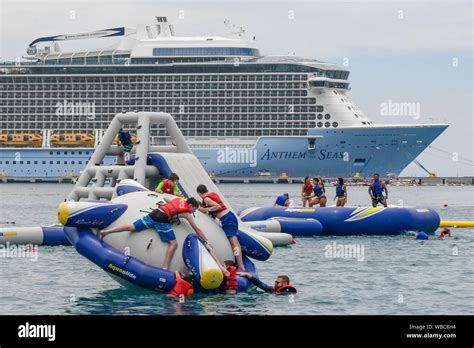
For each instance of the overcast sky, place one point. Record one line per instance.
(396, 50)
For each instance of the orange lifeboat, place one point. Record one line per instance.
(21, 140)
(73, 140)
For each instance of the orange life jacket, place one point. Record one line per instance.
(167, 188)
(231, 280)
(215, 197)
(175, 207)
(182, 287)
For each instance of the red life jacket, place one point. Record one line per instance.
(167, 188)
(182, 287)
(308, 188)
(215, 197)
(285, 289)
(175, 207)
(231, 280)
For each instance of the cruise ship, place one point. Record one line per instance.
(243, 113)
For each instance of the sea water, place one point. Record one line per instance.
(388, 275)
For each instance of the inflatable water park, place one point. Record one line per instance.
(106, 196)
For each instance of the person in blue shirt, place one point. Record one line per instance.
(283, 200)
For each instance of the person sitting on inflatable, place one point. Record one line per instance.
(160, 219)
(183, 286)
(445, 232)
(341, 193)
(230, 285)
(319, 194)
(376, 190)
(306, 191)
(283, 200)
(212, 204)
(169, 185)
(282, 284)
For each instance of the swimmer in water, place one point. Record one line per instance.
(445, 233)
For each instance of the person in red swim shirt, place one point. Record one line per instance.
(306, 191)
(160, 219)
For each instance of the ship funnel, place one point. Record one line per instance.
(164, 28)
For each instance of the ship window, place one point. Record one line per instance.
(28, 162)
(80, 162)
(58, 162)
(320, 116)
(7, 162)
(44, 162)
(359, 160)
(21, 162)
(58, 153)
(50, 162)
(320, 124)
(72, 162)
(335, 124)
(80, 152)
(327, 116)
(327, 124)
(311, 143)
(50, 152)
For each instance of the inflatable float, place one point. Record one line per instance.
(135, 258)
(342, 221)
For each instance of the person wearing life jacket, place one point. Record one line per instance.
(169, 185)
(213, 205)
(306, 191)
(282, 200)
(341, 193)
(319, 196)
(182, 287)
(282, 284)
(230, 284)
(376, 190)
(160, 219)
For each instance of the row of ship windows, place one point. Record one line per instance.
(153, 87)
(42, 162)
(48, 122)
(178, 102)
(12, 97)
(43, 81)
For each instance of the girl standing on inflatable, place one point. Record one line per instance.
(306, 191)
(212, 204)
(341, 193)
(319, 195)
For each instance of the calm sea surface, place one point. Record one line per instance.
(397, 275)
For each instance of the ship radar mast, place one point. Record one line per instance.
(234, 30)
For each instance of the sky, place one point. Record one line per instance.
(400, 51)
